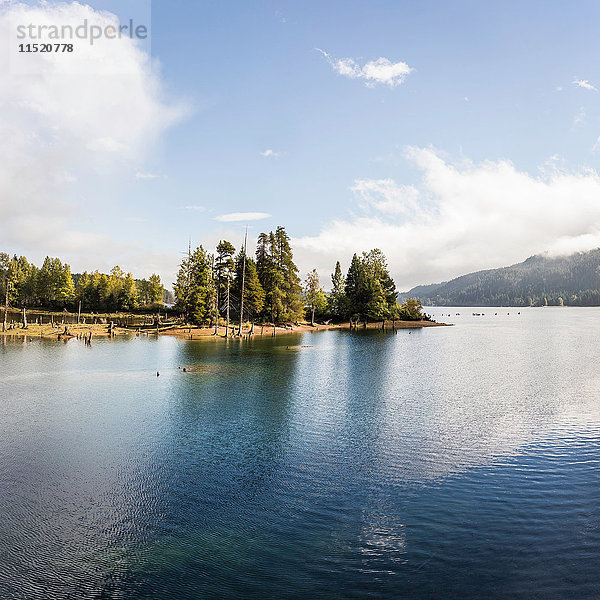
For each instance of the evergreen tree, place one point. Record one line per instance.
(195, 286)
(291, 299)
(353, 288)
(269, 275)
(369, 289)
(254, 295)
(224, 266)
(338, 295)
(278, 276)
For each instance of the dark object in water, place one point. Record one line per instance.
(157, 374)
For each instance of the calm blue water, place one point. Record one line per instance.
(458, 462)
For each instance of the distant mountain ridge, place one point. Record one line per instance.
(538, 281)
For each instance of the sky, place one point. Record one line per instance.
(455, 136)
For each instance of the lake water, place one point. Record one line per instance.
(456, 462)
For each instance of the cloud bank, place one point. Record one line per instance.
(460, 217)
(94, 112)
(381, 70)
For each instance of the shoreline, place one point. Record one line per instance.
(101, 330)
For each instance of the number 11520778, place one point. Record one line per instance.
(45, 47)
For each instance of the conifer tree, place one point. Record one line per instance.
(337, 296)
(254, 295)
(195, 286)
(224, 268)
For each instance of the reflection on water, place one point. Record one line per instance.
(448, 462)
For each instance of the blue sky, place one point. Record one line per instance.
(469, 162)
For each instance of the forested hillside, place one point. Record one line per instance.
(571, 280)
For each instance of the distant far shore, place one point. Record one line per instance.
(80, 331)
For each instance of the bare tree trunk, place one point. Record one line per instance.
(5, 304)
(24, 318)
(312, 318)
(79, 313)
(216, 310)
(227, 327)
(243, 284)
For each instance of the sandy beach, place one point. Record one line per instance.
(102, 330)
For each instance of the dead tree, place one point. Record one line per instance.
(243, 284)
(5, 304)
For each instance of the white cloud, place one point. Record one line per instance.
(106, 144)
(94, 112)
(585, 84)
(268, 152)
(242, 216)
(460, 218)
(140, 175)
(196, 207)
(381, 70)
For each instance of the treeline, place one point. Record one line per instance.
(263, 285)
(538, 281)
(52, 286)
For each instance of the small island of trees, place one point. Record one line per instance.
(220, 288)
(266, 287)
